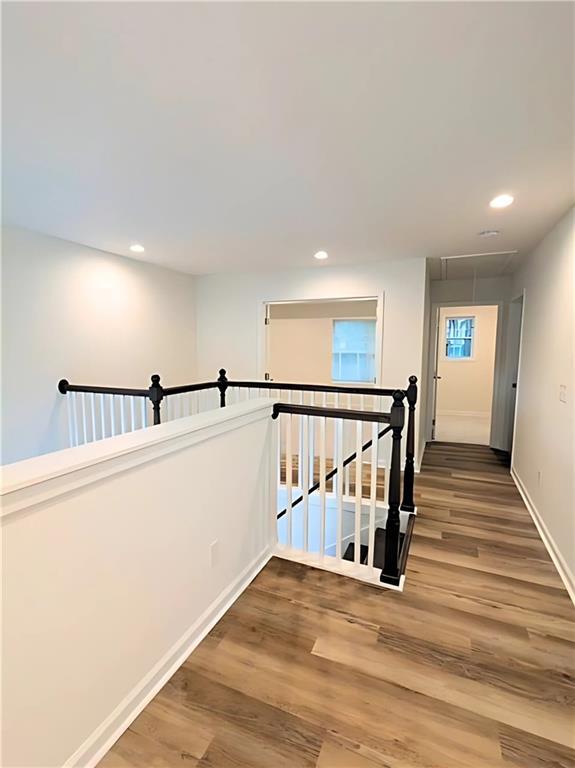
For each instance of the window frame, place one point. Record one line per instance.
(363, 382)
(471, 338)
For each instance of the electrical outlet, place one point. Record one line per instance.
(214, 553)
(563, 393)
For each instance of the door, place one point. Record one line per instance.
(464, 372)
(515, 318)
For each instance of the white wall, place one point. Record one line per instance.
(109, 576)
(91, 317)
(425, 399)
(543, 455)
(230, 313)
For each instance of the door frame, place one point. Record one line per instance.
(498, 367)
(263, 335)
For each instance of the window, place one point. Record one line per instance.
(459, 337)
(353, 351)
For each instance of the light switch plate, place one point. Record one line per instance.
(563, 393)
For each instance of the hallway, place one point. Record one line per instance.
(472, 666)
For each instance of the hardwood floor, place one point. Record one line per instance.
(472, 666)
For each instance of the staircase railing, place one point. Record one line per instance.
(107, 411)
(96, 412)
(385, 549)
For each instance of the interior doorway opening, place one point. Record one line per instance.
(464, 373)
(324, 341)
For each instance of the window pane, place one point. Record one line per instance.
(459, 337)
(353, 356)
(458, 348)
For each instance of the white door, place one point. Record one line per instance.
(464, 374)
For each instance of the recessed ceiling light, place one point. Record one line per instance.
(320, 255)
(489, 233)
(137, 248)
(501, 201)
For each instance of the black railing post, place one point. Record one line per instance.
(408, 503)
(156, 396)
(392, 525)
(222, 386)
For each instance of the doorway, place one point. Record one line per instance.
(464, 374)
(323, 342)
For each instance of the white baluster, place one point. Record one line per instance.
(72, 422)
(339, 485)
(348, 468)
(304, 426)
(372, 493)
(311, 451)
(336, 405)
(84, 419)
(112, 415)
(358, 490)
(144, 414)
(93, 414)
(122, 414)
(289, 470)
(102, 415)
(301, 446)
(322, 474)
(133, 412)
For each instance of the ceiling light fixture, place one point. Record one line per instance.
(501, 201)
(320, 255)
(137, 248)
(489, 233)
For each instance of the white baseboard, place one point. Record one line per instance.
(101, 740)
(567, 577)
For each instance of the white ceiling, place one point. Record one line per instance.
(243, 136)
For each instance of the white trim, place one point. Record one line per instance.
(33, 481)
(342, 567)
(567, 577)
(103, 737)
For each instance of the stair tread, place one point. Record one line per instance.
(379, 553)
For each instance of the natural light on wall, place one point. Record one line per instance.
(353, 352)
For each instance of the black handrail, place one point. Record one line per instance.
(64, 387)
(331, 413)
(291, 387)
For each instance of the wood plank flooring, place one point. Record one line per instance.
(473, 666)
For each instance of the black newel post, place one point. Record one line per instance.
(222, 386)
(392, 525)
(156, 396)
(408, 504)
